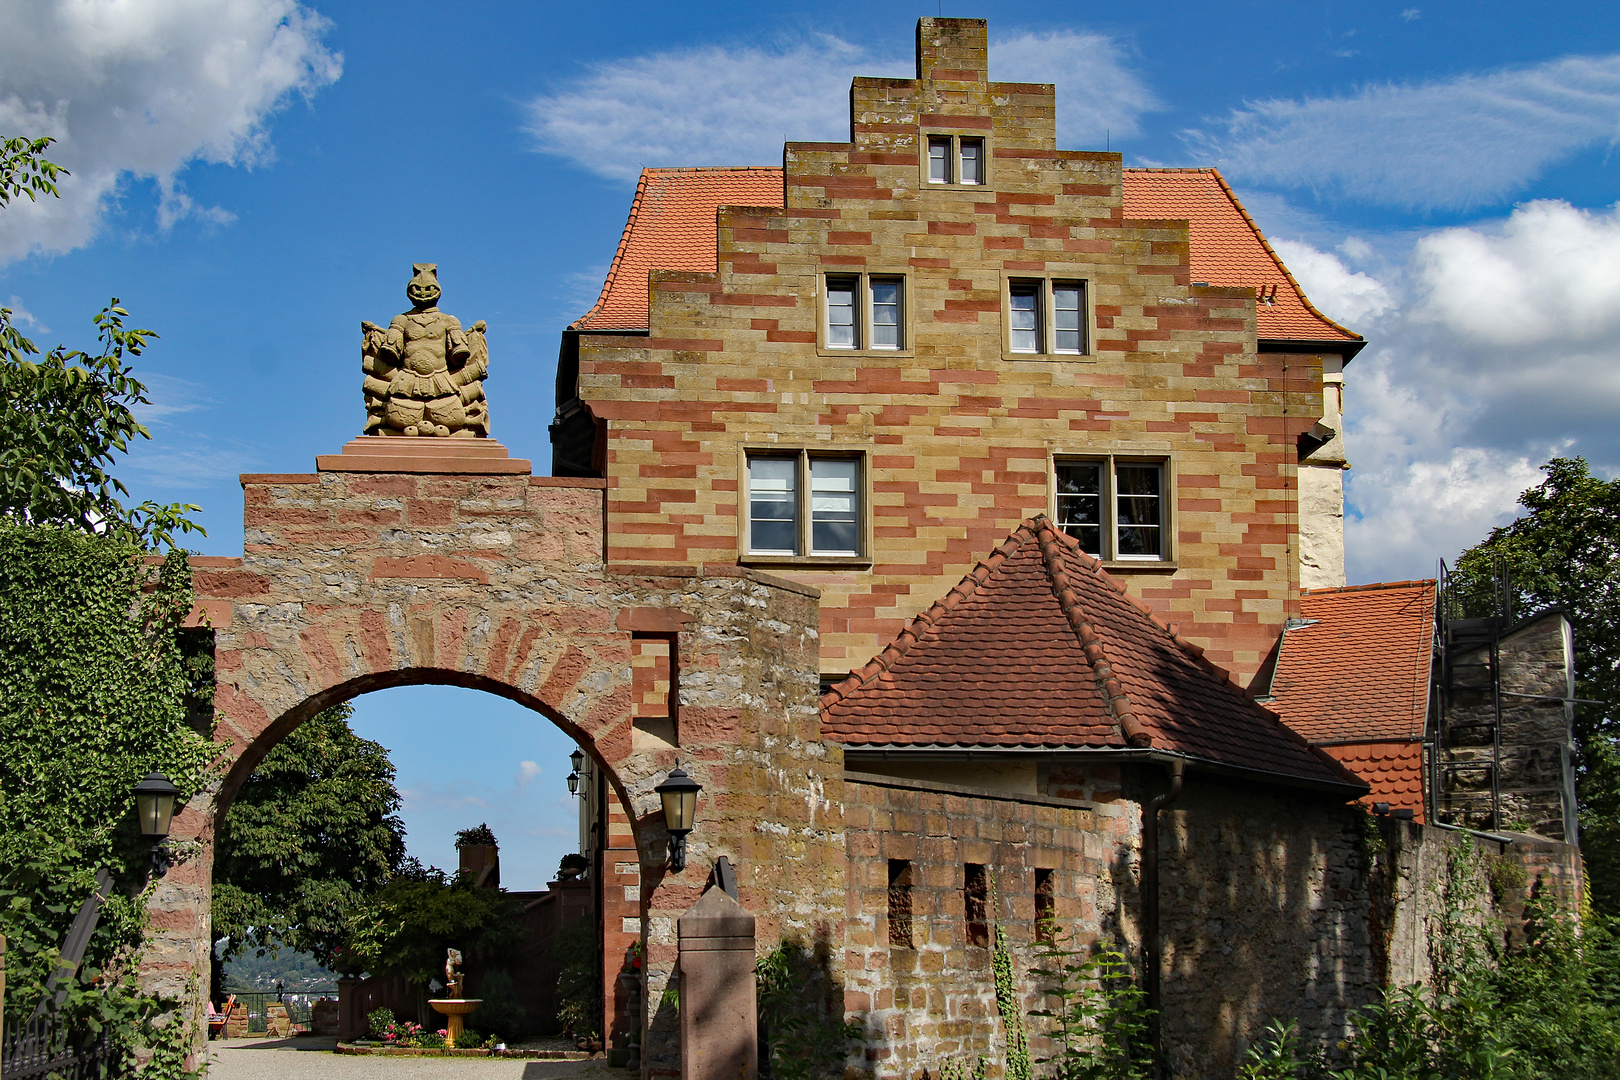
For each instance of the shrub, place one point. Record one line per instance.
(501, 1013)
(378, 1021)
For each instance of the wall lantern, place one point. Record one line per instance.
(154, 808)
(577, 759)
(679, 793)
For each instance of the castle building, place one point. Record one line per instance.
(1058, 445)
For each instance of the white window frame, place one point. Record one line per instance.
(952, 144)
(867, 312)
(804, 549)
(1048, 340)
(1110, 524)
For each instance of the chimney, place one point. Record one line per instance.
(952, 50)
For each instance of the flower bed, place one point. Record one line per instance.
(383, 1050)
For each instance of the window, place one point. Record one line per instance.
(1045, 905)
(955, 159)
(1115, 508)
(900, 903)
(865, 312)
(1046, 317)
(976, 903)
(804, 504)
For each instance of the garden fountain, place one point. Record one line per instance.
(453, 1007)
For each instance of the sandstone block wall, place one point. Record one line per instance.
(957, 435)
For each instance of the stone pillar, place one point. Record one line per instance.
(351, 1023)
(719, 1017)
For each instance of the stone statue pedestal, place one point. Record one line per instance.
(416, 454)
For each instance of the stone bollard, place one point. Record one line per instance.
(719, 1025)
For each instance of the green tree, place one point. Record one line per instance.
(64, 416)
(1565, 549)
(313, 831)
(405, 927)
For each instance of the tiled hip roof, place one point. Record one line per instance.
(1039, 647)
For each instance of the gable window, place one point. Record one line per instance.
(865, 311)
(804, 504)
(955, 159)
(1046, 317)
(1116, 508)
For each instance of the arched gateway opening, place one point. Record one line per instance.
(445, 561)
(549, 915)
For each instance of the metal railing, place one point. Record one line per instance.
(37, 1049)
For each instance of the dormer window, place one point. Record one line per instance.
(955, 159)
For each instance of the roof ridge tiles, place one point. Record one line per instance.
(1131, 729)
(909, 636)
(1171, 630)
(1371, 586)
(1306, 300)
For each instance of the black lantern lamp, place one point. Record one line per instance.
(679, 793)
(577, 759)
(154, 808)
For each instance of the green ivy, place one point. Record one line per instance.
(96, 690)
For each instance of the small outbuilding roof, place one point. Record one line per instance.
(672, 226)
(1039, 647)
(1357, 667)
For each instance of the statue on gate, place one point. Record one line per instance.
(424, 375)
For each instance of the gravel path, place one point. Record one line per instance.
(313, 1059)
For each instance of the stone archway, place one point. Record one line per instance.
(454, 565)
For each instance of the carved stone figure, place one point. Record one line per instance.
(453, 979)
(424, 375)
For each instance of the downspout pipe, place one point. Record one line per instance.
(1150, 908)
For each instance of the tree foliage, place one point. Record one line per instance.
(65, 415)
(405, 927)
(25, 171)
(1565, 550)
(313, 831)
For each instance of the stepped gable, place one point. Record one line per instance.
(1358, 670)
(672, 226)
(1227, 248)
(1039, 647)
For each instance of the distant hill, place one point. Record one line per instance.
(297, 971)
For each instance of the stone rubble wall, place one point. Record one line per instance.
(1537, 771)
(1274, 904)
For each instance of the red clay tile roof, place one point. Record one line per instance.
(1360, 670)
(672, 227)
(1039, 647)
(1228, 248)
(1393, 769)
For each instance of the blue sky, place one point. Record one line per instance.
(253, 177)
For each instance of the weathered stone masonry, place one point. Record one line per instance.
(351, 582)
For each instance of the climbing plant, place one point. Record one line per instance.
(96, 690)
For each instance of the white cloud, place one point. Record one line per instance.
(528, 772)
(1342, 294)
(736, 106)
(1472, 140)
(1495, 348)
(142, 90)
(1549, 275)
(21, 316)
